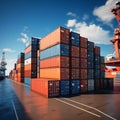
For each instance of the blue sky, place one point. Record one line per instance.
(22, 19)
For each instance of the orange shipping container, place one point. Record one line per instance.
(60, 35)
(28, 49)
(59, 61)
(75, 51)
(55, 73)
(46, 87)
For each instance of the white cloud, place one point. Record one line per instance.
(8, 50)
(104, 12)
(91, 31)
(71, 14)
(71, 23)
(24, 38)
(85, 17)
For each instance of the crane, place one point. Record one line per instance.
(2, 66)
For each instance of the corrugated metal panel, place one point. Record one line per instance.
(84, 86)
(83, 63)
(75, 73)
(48, 88)
(83, 42)
(83, 74)
(90, 84)
(60, 35)
(57, 50)
(55, 73)
(83, 53)
(90, 73)
(75, 51)
(75, 39)
(74, 87)
(59, 61)
(75, 62)
(64, 87)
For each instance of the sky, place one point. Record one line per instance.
(22, 19)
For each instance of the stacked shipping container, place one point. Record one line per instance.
(84, 64)
(31, 60)
(74, 63)
(90, 66)
(54, 60)
(63, 63)
(97, 67)
(20, 68)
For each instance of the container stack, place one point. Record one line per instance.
(54, 63)
(62, 63)
(20, 68)
(90, 66)
(84, 64)
(97, 71)
(74, 63)
(31, 60)
(15, 75)
(38, 63)
(102, 68)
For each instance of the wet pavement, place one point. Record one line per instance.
(18, 102)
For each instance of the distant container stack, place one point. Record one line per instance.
(31, 60)
(63, 63)
(20, 68)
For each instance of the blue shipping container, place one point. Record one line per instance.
(75, 39)
(57, 50)
(74, 87)
(90, 73)
(27, 81)
(64, 87)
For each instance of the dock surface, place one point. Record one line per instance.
(18, 102)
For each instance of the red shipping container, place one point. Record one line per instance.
(60, 35)
(75, 74)
(83, 42)
(83, 63)
(84, 86)
(75, 51)
(55, 73)
(97, 50)
(46, 87)
(83, 74)
(83, 53)
(75, 62)
(59, 61)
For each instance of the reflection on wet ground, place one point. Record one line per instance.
(18, 102)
